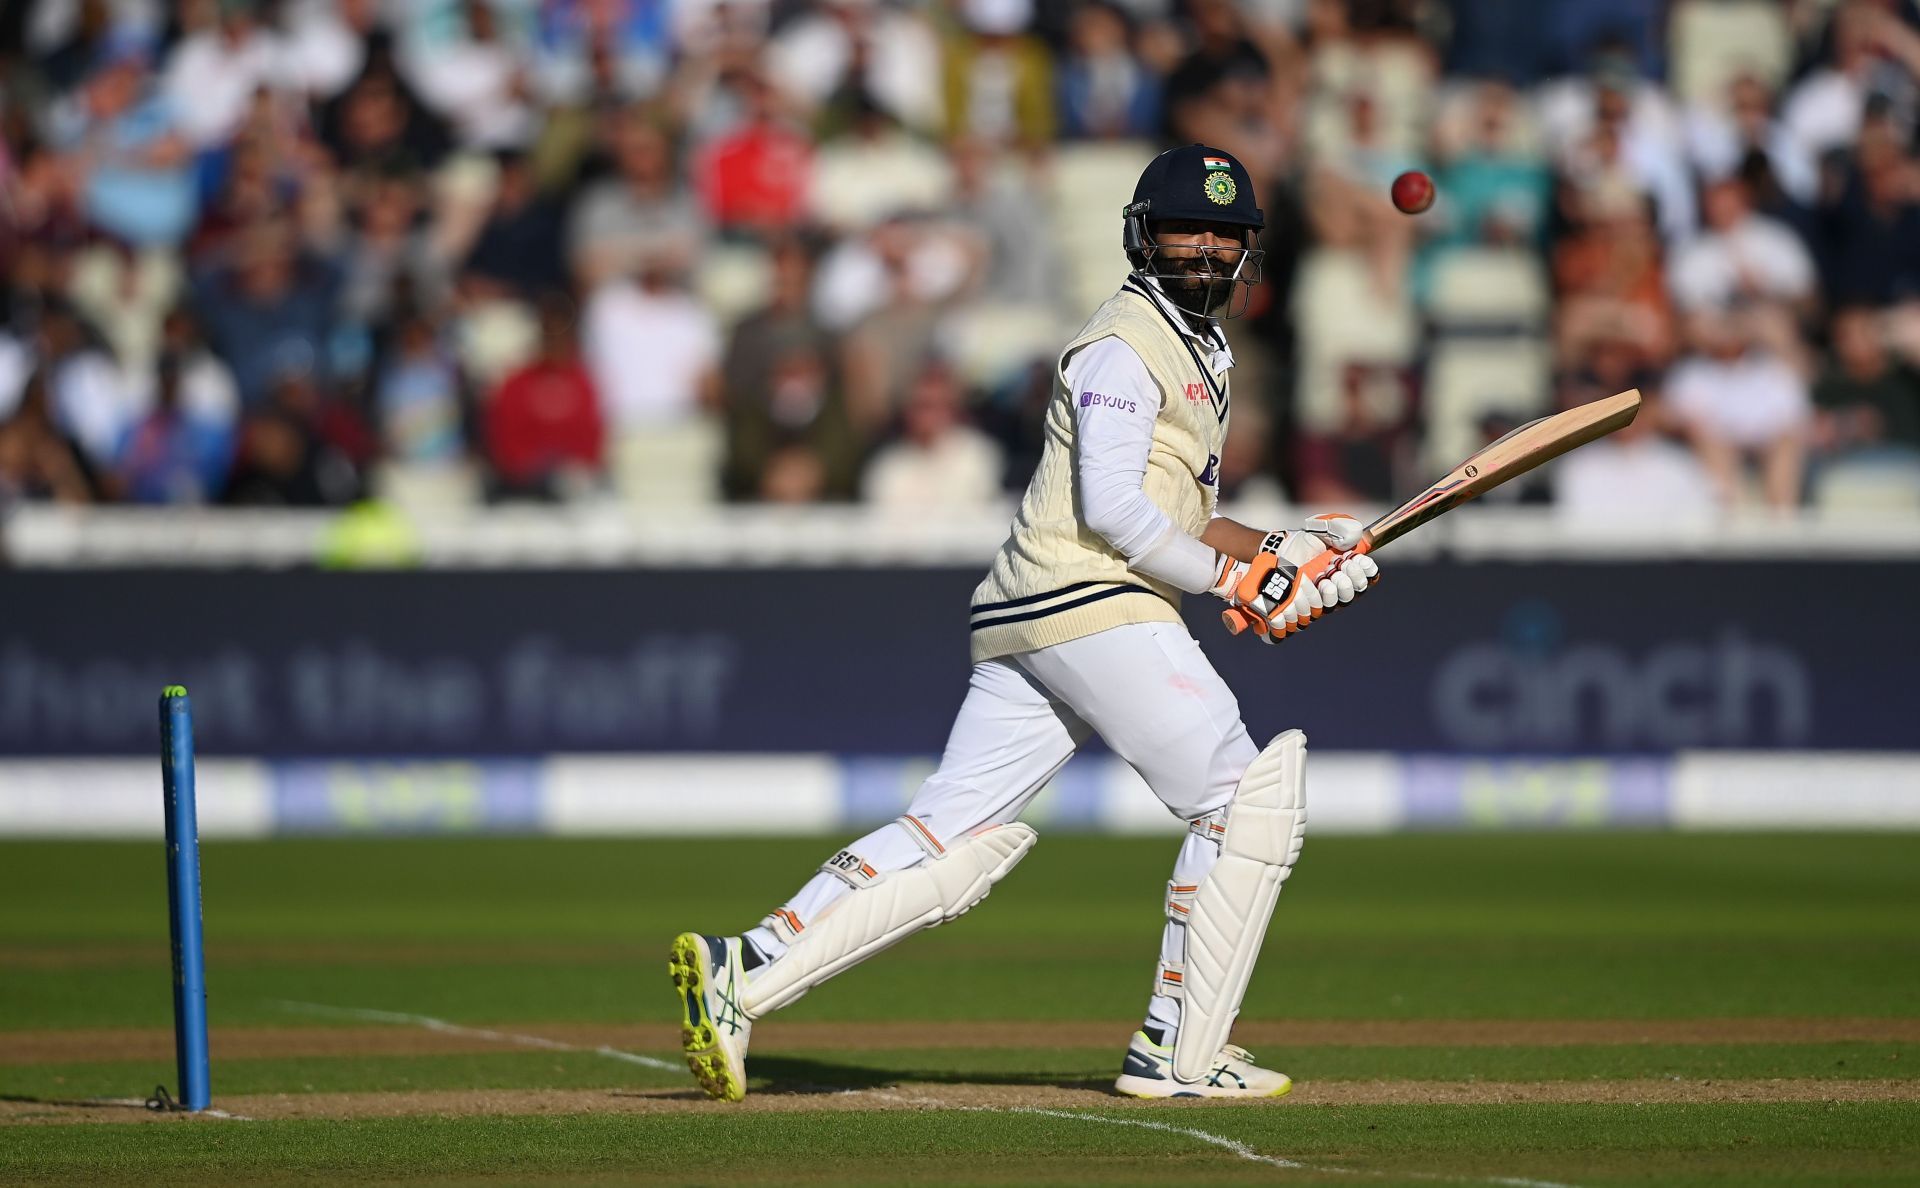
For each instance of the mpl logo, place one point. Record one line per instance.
(1197, 393)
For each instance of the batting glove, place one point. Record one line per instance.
(1296, 577)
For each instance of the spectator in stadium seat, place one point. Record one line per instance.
(939, 462)
(271, 310)
(1222, 52)
(641, 217)
(39, 462)
(1497, 187)
(392, 256)
(123, 138)
(780, 389)
(1641, 110)
(875, 171)
(993, 198)
(1869, 397)
(576, 129)
(1739, 256)
(517, 252)
(1622, 146)
(478, 80)
(1348, 198)
(213, 72)
(543, 431)
(1638, 476)
(653, 350)
(1868, 229)
(86, 393)
(1742, 396)
(1105, 91)
(999, 79)
(1741, 132)
(1871, 53)
(419, 402)
(206, 389)
(65, 41)
(613, 47)
(754, 177)
(1361, 460)
(174, 454)
(906, 272)
(1608, 277)
(324, 42)
(255, 186)
(300, 448)
(886, 54)
(378, 122)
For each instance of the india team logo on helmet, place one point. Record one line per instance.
(1220, 189)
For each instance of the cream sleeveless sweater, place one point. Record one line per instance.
(1055, 579)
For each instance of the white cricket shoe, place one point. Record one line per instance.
(1148, 1072)
(707, 974)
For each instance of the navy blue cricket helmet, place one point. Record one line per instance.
(1194, 184)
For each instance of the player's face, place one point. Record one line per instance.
(1200, 262)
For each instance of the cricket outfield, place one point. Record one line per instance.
(1516, 1008)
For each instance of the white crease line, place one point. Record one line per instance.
(1237, 1148)
(209, 1112)
(445, 1027)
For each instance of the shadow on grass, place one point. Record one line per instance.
(800, 1075)
(88, 1103)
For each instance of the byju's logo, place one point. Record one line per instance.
(1100, 400)
(1210, 477)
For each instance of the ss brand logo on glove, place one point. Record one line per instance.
(1275, 588)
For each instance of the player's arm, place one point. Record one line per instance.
(1233, 538)
(1115, 405)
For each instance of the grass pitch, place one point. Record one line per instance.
(1564, 1009)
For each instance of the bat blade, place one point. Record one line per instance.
(1530, 445)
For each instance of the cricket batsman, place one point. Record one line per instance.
(1076, 630)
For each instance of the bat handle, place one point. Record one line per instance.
(1236, 620)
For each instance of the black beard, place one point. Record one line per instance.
(1197, 295)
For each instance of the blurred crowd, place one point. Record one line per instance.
(677, 251)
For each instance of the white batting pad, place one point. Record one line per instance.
(1266, 824)
(892, 908)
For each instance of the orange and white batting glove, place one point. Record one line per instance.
(1295, 578)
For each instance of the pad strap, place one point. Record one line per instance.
(921, 835)
(1213, 826)
(785, 924)
(1170, 979)
(1180, 898)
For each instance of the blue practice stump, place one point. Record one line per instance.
(183, 899)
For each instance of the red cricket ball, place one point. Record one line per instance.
(1412, 192)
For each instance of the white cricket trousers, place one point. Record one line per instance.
(1145, 688)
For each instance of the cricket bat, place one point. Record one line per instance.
(1507, 458)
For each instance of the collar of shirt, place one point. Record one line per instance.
(1212, 338)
